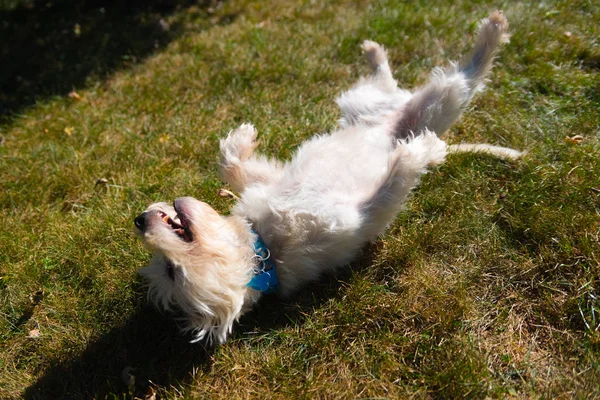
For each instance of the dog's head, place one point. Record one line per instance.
(201, 263)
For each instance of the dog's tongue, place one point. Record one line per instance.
(179, 227)
(183, 233)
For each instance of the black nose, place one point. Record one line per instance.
(140, 221)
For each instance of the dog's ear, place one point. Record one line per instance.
(212, 318)
(213, 330)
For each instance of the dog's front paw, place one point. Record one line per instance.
(374, 53)
(240, 143)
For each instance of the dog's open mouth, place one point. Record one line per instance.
(180, 227)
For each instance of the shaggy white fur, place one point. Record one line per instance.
(315, 212)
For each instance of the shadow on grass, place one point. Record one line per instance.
(151, 344)
(272, 312)
(148, 346)
(50, 47)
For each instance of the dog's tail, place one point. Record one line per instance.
(496, 151)
(438, 104)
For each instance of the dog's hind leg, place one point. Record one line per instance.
(407, 164)
(239, 166)
(437, 105)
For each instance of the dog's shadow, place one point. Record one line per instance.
(150, 351)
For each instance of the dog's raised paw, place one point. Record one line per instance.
(497, 18)
(240, 142)
(374, 52)
(495, 27)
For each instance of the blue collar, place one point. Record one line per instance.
(265, 277)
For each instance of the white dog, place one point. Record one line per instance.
(299, 219)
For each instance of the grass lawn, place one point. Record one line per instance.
(488, 284)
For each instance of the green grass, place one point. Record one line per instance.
(486, 286)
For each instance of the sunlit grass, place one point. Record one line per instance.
(486, 286)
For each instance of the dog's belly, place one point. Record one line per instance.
(341, 168)
(312, 219)
(326, 182)
(369, 104)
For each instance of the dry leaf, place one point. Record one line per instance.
(69, 130)
(574, 139)
(264, 23)
(74, 95)
(150, 393)
(226, 193)
(34, 333)
(164, 25)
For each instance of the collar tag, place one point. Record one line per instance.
(265, 281)
(265, 277)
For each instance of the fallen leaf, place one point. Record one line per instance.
(226, 193)
(164, 25)
(34, 333)
(74, 95)
(264, 23)
(101, 181)
(69, 130)
(574, 139)
(150, 393)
